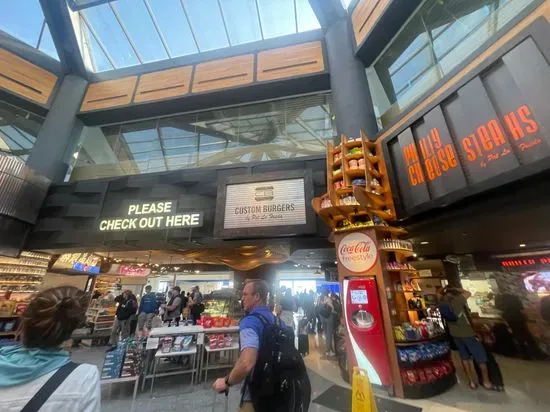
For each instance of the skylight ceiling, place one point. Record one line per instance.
(123, 33)
(24, 20)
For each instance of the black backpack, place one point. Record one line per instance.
(325, 310)
(279, 380)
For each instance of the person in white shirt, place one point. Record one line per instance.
(40, 362)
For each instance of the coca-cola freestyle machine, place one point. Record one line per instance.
(358, 267)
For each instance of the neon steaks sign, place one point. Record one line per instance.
(529, 261)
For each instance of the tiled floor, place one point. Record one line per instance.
(175, 393)
(527, 389)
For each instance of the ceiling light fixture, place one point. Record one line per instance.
(424, 243)
(415, 255)
(522, 245)
(197, 271)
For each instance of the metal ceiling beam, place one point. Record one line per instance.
(58, 19)
(328, 11)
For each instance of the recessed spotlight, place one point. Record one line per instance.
(415, 255)
(308, 266)
(424, 243)
(522, 245)
(197, 271)
(335, 262)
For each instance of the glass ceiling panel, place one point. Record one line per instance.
(47, 45)
(207, 23)
(277, 17)
(103, 23)
(241, 19)
(306, 16)
(24, 20)
(174, 26)
(94, 53)
(141, 29)
(130, 32)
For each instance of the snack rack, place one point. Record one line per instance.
(124, 364)
(371, 211)
(20, 278)
(101, 315)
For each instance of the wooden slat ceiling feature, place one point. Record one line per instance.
(290, 61)
(25, 79)
(164, 84)
(365, 15)
(224, 73)
(109, 93)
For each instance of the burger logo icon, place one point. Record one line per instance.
(263, 193)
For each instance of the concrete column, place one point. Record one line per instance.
(55, 143)
(352, 102)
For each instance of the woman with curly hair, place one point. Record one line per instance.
(37, 374)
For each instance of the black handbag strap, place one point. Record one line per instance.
(49, 387)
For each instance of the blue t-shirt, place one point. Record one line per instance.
(251, 330)
(148, 303)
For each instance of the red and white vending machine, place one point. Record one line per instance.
(367, 348)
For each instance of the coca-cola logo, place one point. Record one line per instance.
(357, 252)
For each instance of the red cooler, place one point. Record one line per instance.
(366, 344)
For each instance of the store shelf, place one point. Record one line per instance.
(405, 252)
(19, 282)
(355, 156)
(374, 172)
(232, 347)
(190, 351)
(337, 149)
(420, 342)
(356, 173)
(344, 191)
(354, 143)
(372, 159)
(429, 389)
(383, 215)
(403, 270)
(337, 163)
(12, 333)
(424, 362)
(338, 176)
(391, 229)
(118, 380)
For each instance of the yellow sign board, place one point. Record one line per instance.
(362, 394)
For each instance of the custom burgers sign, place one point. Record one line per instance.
(357, 252)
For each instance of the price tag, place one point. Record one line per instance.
(152, 343)
(200, 339)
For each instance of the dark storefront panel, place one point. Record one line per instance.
(493, 129)
(106, 213)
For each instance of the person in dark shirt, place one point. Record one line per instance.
(147, 308)
(127, 306)
(196, 305)
(512, 312)
(173, 308)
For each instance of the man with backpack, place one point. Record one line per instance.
(274, 374)
(453, 307)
